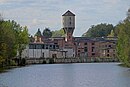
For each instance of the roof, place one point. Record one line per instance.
(68, 13)
(38, 33)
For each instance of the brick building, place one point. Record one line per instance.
(69, 46)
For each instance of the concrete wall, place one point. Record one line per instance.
(35, 53)
(70, 53)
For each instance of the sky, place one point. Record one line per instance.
(48, 13)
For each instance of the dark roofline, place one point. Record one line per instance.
(68, 13)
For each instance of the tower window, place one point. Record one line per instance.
(70, 23)
(70, 18)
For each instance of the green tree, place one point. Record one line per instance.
(7, 41)
(123, 45)
(58, 33)
(100, 30)
(47, 32)
(23, 40)
(13, 39)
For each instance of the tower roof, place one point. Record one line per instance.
(68, 13)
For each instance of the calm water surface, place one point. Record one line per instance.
(67, 75)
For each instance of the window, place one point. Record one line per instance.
(70, 23)
(78, 50)
(93, 49)
(108, 51)
(108, 55)
(113, 50)
(70, 18)
(109, 45)
(114, 55)
(46, 47)
(38, 46)
(43, 47)
(93, 43)
(31, 46)
(54, 47)
(85, 49)
(93, 54)
(43, 55)
(57, 47)
(85, 43)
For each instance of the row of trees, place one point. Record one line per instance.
(13, 40)
(48, 33)
(99, 30)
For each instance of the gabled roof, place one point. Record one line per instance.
(38, 33)
(68, 13)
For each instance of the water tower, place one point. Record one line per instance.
(68, 21)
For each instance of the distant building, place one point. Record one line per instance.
(69, 46)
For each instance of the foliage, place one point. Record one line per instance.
(47, 32)
(58, 33)
(13, 39)
(123, 46)
(100, 30)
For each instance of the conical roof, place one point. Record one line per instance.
(68, 13)
(38, 33)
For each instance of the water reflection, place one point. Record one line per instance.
(67, 75)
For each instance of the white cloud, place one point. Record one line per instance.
(47, 13)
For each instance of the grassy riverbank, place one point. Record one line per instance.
(5, 69)
(124, 65)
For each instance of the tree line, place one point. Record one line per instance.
(13, 40)
(48, 33)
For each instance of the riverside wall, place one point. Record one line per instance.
(68, 60)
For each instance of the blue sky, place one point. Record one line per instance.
(47, 13)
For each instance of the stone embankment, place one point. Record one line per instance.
(69, 60)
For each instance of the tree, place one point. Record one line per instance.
(8, 48)
(100, 30)
(13, 39)
(23, 40)
(47, 32)
(58, 33)
(123, 45)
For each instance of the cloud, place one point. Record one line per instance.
(47, 13)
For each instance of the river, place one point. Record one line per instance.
(67, 75)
